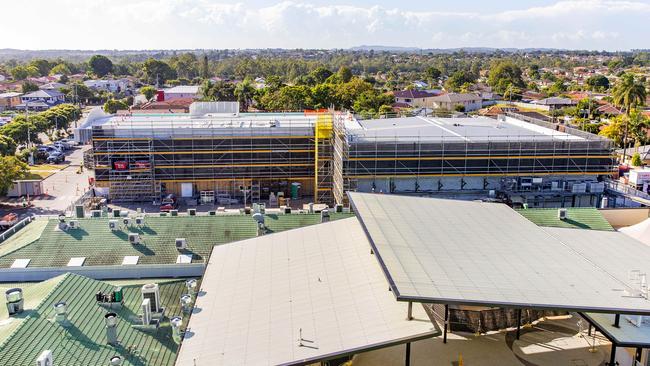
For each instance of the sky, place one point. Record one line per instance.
(218, 24)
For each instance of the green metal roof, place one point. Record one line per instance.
(577, 218)
(100, 246)
(83, 341)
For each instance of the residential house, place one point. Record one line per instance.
(450, 101)
(113, 85)
(415, 98)
(52, 86)
(41, 100)
(9, 100)
(178, 92)
(420, 84)
(555, 102)
(260, 83)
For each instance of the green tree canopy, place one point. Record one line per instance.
(218, 91)
(505, 74)
(598, 83)
(157, 71)
(12, 169)
(29, 87)
(148, 91)
(113, 105)
(100, 65)
(7, 145)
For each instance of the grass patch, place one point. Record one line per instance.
(43, 171)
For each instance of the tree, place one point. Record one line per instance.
(628, 93)
(7, 145)
(433, 74)
(43, 66)
(319, 75)
(613, 131)
(598, 83)
(205, 68)
(186, 65)
(638, 125)
(244, 91)
(636, 159)
(60, 69)
(148, 91)
(100, 65)
(503, 75)
(29, 87)
(12, 169)
(458, 79)
(113, 105)
(23, 72)
(218, 91)
(345, 74)
(17, 130)
(157, 72)
(347, 93)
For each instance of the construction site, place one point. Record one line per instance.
(216, 155)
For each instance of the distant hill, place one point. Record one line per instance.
(448, 50)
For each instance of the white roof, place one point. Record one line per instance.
(76, 261)
(183, 89)
(130, 260)
(321, 281)
(475, 253)
(640, 231)
(20, 263)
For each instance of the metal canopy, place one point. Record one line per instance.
(295, 298)
(475, 253)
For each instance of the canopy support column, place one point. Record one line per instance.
(612, 355)
(639, 353)
(444, 334)
(617, 319)
(407, 360)
(518, 322)
(409, 316)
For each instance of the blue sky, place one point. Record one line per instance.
(174, 24)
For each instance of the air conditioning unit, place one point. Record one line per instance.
(562, 214)
(134, 238)
(96, 213)
(73, 224)
(151, 291)
(112, 224)
(45, 359)
(139, 221)
(146, 311)
(126, 221)
(191, 211)
(181, 244)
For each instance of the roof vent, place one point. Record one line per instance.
(562, 214)
(186, 303)
(61, 312)
(111, 328)
(115, 361)
(176, 323)
(191, 285)
(181, 244)
(15, 301)
(134, 238)
(325, 215)
(45, 359)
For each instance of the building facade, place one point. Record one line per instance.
(319, 157)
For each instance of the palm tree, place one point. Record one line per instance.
(245, 91)
(628, 94)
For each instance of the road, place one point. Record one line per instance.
(62, 188)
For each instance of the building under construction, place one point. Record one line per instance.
(215, 154)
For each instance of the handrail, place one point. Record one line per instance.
(19, 225)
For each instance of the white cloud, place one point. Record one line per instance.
(132, 24)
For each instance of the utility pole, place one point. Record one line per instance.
(29, 140)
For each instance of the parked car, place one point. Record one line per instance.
(169, 203)
(70, 142)
(8, 221)
(56, 157)
(62, 145)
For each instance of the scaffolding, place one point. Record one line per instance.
(238, 160)
(248, 158)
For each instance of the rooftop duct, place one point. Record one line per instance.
(15, 301)
(111, 328)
